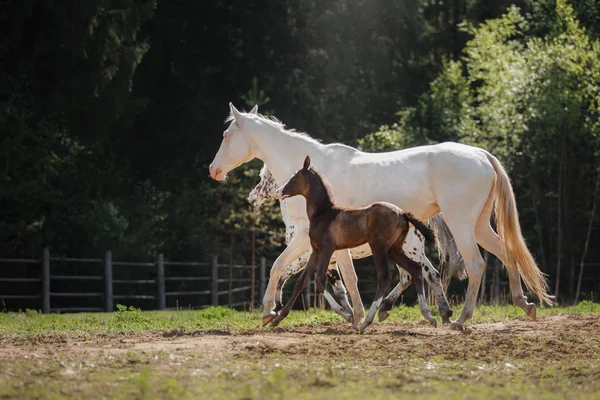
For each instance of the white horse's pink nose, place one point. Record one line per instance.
(213, 173)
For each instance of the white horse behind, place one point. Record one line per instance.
(465, 183)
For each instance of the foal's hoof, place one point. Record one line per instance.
(383, 315)
(531, 311)
(455, 326)
(446, 317)
(268, 318)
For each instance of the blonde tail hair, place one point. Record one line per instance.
(513, 243)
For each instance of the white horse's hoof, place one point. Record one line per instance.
(455, 326)
(383, 315)
(268, 318)
(531, 311)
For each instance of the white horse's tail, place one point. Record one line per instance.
(451, 262)
(509, 230)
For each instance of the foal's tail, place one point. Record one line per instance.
(421, 227)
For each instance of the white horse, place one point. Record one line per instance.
(465, 183)
(265, 190)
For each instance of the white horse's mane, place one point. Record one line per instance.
(280, 126)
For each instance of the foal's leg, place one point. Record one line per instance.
(299, 244)
(414, 248)
(414, 269)
(300, 285)
(338, 301)
(383, 281)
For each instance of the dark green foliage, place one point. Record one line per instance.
(111, 111)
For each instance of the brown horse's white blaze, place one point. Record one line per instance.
(382, 225)
(462, 182)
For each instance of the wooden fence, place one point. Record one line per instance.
(109, 295)
(47, 290)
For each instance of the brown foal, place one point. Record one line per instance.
(382, 225)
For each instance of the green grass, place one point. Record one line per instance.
(77, 361)
(32, 323)
(278, 378)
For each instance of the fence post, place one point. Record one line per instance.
(307, 294)
(46, 281)
(160, 281)
(215, 281)
(108, 282)
(263, 277)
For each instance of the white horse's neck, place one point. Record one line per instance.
(281, 150)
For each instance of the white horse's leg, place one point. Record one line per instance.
(489, 240)
(348, 273)
(299, 244)
(433, 278)
(388, 302)
(465, 241)
(291, 270)
(340, 295)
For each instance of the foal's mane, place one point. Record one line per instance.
(324, 185)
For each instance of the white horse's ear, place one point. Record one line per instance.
(307, 163)
(254, 110)
(237, 116)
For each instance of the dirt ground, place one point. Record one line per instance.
(550, 338)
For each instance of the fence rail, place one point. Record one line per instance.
(45, 294)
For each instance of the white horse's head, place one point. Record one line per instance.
(264, 190)
(236, 148)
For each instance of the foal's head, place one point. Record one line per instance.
(298, 184)
(308, 183)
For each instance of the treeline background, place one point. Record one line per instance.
(111, 111)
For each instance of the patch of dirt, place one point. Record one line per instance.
(547, 339)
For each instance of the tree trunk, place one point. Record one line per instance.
(588, 235)
(559, 246)
(229, 302)
(456, 48)
(567, 218)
